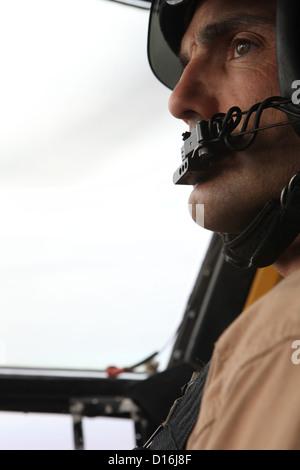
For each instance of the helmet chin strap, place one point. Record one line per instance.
(270, 233)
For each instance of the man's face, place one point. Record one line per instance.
(229, 59)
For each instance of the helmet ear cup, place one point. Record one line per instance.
(287, 48)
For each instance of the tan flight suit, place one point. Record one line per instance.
(252, 394)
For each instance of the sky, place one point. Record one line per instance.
(98, 253)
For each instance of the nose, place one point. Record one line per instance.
(194, 98)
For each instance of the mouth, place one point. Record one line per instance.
(212, 138)
(191, 171)
(200, 149)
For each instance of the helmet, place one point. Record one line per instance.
(276, 226)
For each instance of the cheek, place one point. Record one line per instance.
(249, 86)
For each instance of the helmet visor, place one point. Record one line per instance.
(167, 24)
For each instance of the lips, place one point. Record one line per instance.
(220, 162)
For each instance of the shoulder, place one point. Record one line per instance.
(255, 406)
(251, 396)
(253, 383)
(273, 319)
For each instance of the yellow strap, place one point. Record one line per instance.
(265, 279)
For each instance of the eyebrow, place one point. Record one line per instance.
(209, 33)
(213, 31)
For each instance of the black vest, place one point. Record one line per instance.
(173, 433)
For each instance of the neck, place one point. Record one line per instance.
(289, 261)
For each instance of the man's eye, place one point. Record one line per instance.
(242, 48)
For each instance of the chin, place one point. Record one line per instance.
(219, 220)
(218, 209)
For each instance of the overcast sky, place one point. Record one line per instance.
(98, 252)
